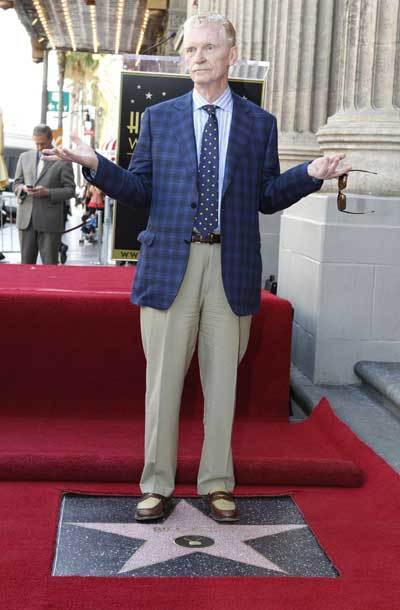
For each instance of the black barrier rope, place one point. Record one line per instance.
(73, 228)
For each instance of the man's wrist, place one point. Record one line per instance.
(93, 164)
(313, 178)
(91, 169)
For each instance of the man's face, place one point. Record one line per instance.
(41, 142)
(208, 54)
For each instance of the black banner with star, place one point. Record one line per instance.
(139, 90)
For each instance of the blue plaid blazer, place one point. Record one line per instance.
(162, 175)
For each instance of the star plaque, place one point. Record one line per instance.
(98, 536)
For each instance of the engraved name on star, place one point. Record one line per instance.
(186, 520)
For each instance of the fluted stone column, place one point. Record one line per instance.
(366, 124)
(341, 272)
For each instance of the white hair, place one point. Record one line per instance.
(212, 19)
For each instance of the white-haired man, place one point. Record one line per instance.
(205, 164)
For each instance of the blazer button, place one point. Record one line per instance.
(193, 205)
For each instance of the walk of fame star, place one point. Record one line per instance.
(161, 540)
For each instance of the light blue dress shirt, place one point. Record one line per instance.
(224, 116)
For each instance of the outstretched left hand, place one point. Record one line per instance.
(325, 168)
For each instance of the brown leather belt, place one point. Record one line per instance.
(212, 238)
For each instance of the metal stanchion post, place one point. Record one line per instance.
(8, 234)
(1, 222)
(99, 223)
(106, 231)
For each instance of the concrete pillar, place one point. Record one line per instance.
(366, 124)
(342, 275)
(341, 272)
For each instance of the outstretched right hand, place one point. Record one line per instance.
(82, 154)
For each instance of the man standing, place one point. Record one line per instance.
(206, 164)
(41, 189)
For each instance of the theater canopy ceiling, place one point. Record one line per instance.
(99, 26)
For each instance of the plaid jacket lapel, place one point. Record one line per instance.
(185, 131)
(241, 127)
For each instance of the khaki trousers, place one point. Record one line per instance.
(200, 311)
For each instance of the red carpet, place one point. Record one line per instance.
(358, 529)
(73, 408)
(72, 387)
(54, 448)
(80, 338)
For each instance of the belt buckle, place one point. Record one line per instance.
(211, 238)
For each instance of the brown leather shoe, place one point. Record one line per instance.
(218, 514)
(158, 511)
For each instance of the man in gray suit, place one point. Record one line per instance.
(41, 189)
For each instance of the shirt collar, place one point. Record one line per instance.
(224, 102)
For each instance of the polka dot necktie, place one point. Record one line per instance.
(206, 220)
